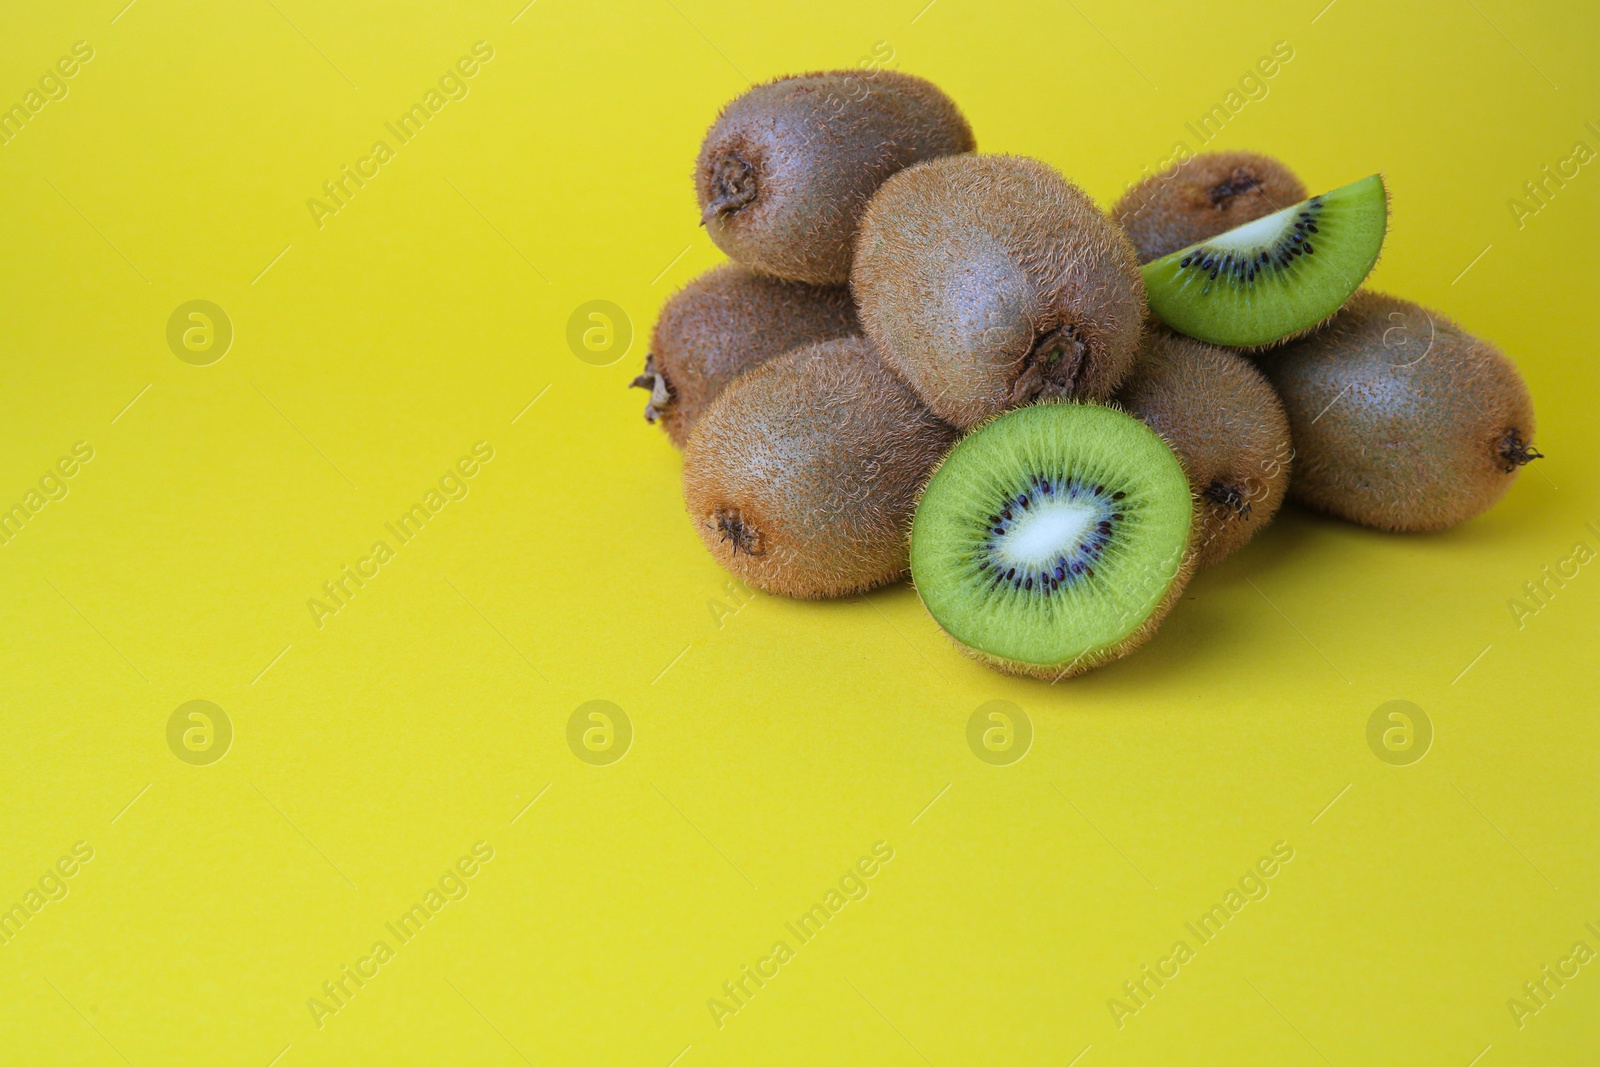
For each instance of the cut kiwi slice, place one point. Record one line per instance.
(1276, 277)
(1053, 538)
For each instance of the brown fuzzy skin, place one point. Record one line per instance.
(802, 476)
(1225, 422)
(1401, 419)
(722, 324)
(990, 281)
(785, 171)
(1201, 197)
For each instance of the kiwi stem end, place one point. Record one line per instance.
(660, 392)
(1228, 496)
(733, 185)
(1051, 367)
(1240, 181)
(746, 538)
(1516, 452)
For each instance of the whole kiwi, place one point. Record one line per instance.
(802, 476)
(787, 167)
(721, 324)
(1222, 418)
(989, 281)
(1201, 197)
(1401, 419)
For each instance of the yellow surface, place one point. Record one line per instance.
(773, 744)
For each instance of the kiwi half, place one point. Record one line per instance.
(787, 168)
(1220, 415)
(801, 477)
(989, 281)
(1201, 197)
(1053, 538)
(1277, 277)
(1401, 419)
(723, 323)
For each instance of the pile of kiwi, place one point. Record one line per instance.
(929, 360)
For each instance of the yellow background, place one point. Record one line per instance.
(774, 744)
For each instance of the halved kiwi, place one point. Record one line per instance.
(1053, 538)
(1277, 277)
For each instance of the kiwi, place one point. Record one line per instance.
(1277, 277)
(1220, 415)
(721, 324)
(1053, 538)
(1201, 197)
(1401, 419)
(801, 477)
(786, 169)
(989, 281)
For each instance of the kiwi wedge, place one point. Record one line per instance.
(1054, 538)
(1277, 277)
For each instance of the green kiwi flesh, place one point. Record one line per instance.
(1401, 419)
(723, 323)
(788, 166)
(802, 476)
(1053, 538)
(1276, 277)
